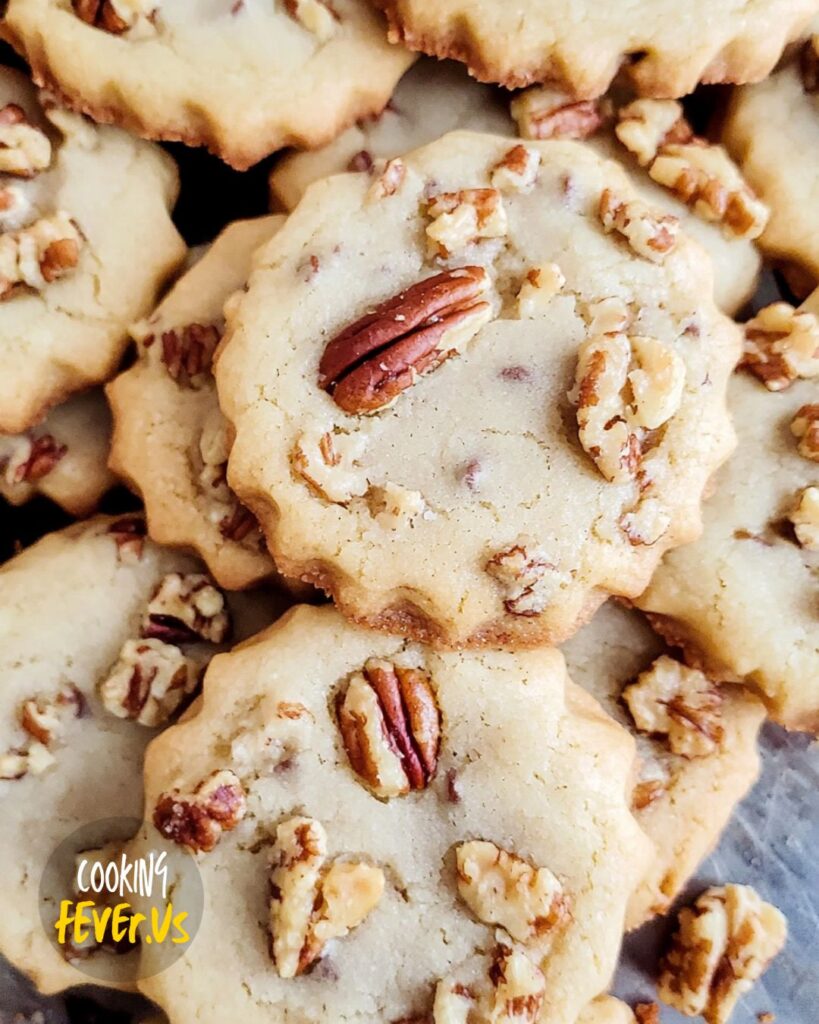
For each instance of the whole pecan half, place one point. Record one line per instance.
(391, 727)
(380, 355)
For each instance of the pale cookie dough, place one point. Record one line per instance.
(170, 441)
(606, 1010)
(418, 819)
(72, 610)
(242, 78)
(64, 458)
(682, 800)
(434, 98)
(86, 240)
(743, 600)
(499, 497)
(582, 44)
(773, 131)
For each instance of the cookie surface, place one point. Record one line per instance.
(694, 767)
(80, 200)
(434, 98)
(773, 130)
(456, 502)
(72, 606)
(170, 439)
(64, 458)
(243, 79)
(504, 745)
(743, 597)
(583, 45)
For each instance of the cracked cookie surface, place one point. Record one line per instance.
(685, 792)
(444, 867)
(582, 45)
(471, 386)
(435, 98)
(78, 201)
(772, 129)
(74, 607)
(743, 598)
(64, 458)
(170, 439)
(243, 78)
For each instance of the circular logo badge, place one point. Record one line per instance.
(119, 901)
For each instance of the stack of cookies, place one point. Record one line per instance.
(460, 524)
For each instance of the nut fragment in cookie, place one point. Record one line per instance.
(723, 944)
(426, 458)
(327, 885)
(71, 748)
(581, 46)
(696, 744)
(308, 68)
(436, 97)
(167, 423)
(741, 600)
(75, 201)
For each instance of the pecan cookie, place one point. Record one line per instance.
(582, 45)
(773, 131)
(696, 742)
(77, 202)
(479, 393)
(103, 635)
(170, 439)
(242, 78)
(433, 98)
(368, 816)
(742, 600)
(64, 458)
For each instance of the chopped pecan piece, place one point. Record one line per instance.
(809, 65)
(539, 287)
(510, 992)
(317, 16)
(149, 681)
(805, 518)
(722, 945)
(129, 536)
(328, 463)
(392, 506)
(517, 170)
(705, 178)
(311, 903)
(782, 345)
(391, 727)
(645, 524)
(43, 720)
(389, 180)
(239, 525)
(24, 149)
(373, 360)
(647, 1013)
(805, 427)
(463, 218)
(25, 459)
(115, 16)
(646, 125)
(547, 113)
(501, 888)
(650, 234)
(214, 449)
(198, 819)
(527, 576)
(38, 254)
(186, 609)
(624, 385)
(679, 702)
(187, 352)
